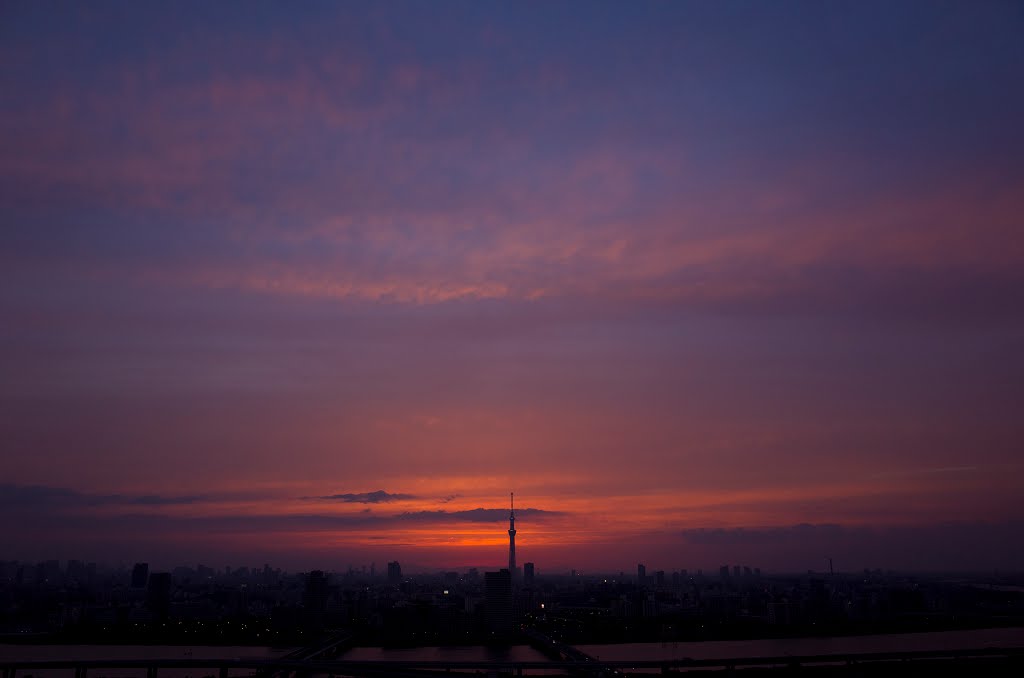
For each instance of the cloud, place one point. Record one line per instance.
(941, 470)
(449, 498)
(373, 217)
(477, 515)
(378, 497)
(61, 506)
(48, 516)
(41, 496)
(761, 535)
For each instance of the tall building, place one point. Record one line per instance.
(512, 537)
(314, 598)
(49, 572)
(394, 572)
(76, 571)
(528, 574)
(641, 574)
(498, 601)
(158, 594)
(139, 575)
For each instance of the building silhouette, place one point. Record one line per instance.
(394, 572)
(528, 574)
(314, 598)
(158, 594)
(498, 601)
(139, 575)
(641, 574)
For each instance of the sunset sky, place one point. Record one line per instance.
(319, 284)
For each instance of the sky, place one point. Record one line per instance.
(320, 284)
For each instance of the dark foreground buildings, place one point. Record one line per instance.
(202, 605)
(498, 602)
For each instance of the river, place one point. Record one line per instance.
(778, 647)
(720, 649)
(130, 652)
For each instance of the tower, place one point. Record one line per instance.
(512, 537)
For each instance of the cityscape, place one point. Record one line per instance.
(589, 338)
(82, 602)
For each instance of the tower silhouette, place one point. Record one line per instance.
(512, 537)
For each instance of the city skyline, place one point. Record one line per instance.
(701, 282)
(700, 557)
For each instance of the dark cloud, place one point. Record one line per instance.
(477, 515)
(41, 496)
(36, 519)
(378, 497)
(450, 497)
(157, 500)
(54, 506)
(56, 522)
(764, 535)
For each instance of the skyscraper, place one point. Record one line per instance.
(140, 573)
(498, 601)
(394, 572)
(158, 594)
(528, 574)
(512, 537)
(314, 598)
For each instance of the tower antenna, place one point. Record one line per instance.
(512, 535)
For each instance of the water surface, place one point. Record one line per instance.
(778, 647)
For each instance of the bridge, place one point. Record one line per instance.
(558, 651)
(984, 661)
(328, 648)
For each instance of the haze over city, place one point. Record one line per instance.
(702, 283)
